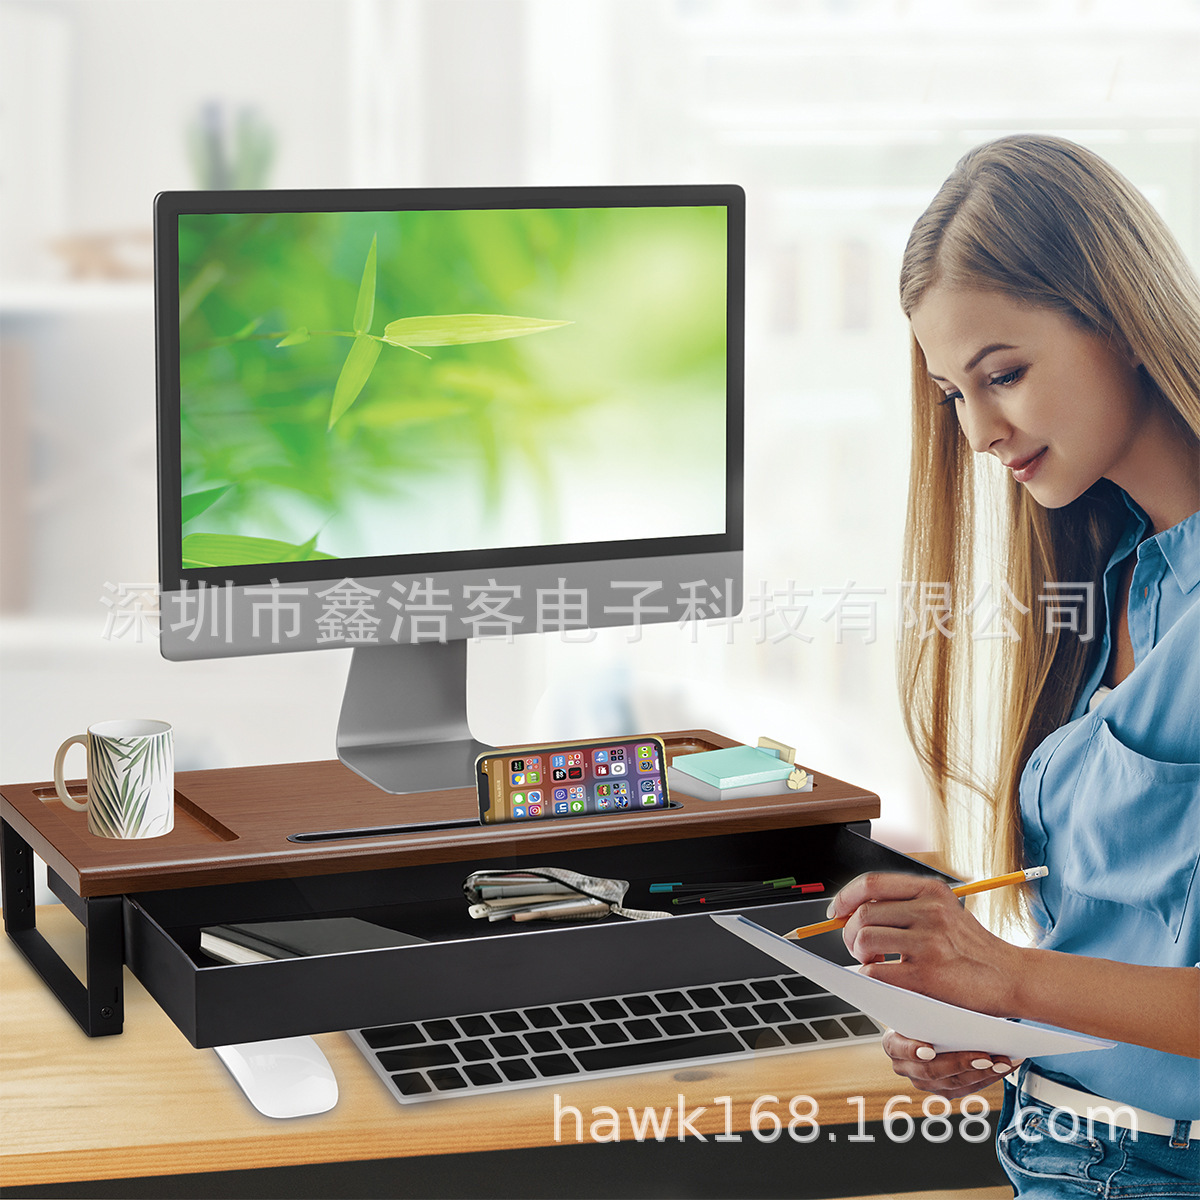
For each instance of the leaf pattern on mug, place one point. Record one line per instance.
(125, 775)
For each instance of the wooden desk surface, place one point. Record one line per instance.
(146, 1103)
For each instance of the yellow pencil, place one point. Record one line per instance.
(963, 889)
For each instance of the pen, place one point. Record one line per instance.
(963, 889)
(502, 904)
(786, 881)
(581, 908)
(734, 895)
(491, 891)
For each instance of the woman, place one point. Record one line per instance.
(1056, 329)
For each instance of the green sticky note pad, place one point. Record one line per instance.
(734, 766)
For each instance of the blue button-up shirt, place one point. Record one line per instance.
(1110, 803)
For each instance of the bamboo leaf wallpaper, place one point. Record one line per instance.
(369, 383)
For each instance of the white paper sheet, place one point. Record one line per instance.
(942, 1026)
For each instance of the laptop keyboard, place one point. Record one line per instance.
(611, 1035)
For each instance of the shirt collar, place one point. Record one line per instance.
(1135, 530)
(1179, 545)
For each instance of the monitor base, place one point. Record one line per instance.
(403, 725)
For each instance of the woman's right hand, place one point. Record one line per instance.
(953, 1074)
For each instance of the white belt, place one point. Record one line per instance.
(1077, 1102)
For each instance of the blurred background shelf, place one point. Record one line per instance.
(37, 298)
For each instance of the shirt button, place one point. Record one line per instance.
(1037, 762)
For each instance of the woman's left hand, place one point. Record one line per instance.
(944, 951)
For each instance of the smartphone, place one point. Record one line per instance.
(576, 779)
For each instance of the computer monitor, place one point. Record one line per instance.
(395, 420)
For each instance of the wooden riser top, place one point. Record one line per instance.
(232, 825)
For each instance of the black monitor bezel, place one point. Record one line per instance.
(168, 206)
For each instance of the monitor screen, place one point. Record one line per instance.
(418, 400)
(430, 386)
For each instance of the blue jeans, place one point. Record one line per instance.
(1068, 1160)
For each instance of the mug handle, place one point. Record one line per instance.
(59, 786)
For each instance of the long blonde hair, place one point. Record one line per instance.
(1050, 224)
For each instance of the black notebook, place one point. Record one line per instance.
(261, 941)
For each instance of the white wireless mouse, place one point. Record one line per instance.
(285, 1077)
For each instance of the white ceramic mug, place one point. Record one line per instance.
(130, 778)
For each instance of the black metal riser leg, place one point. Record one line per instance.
(99, 1006)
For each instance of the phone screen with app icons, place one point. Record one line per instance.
(536, 783)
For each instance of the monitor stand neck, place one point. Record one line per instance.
(403, 724)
